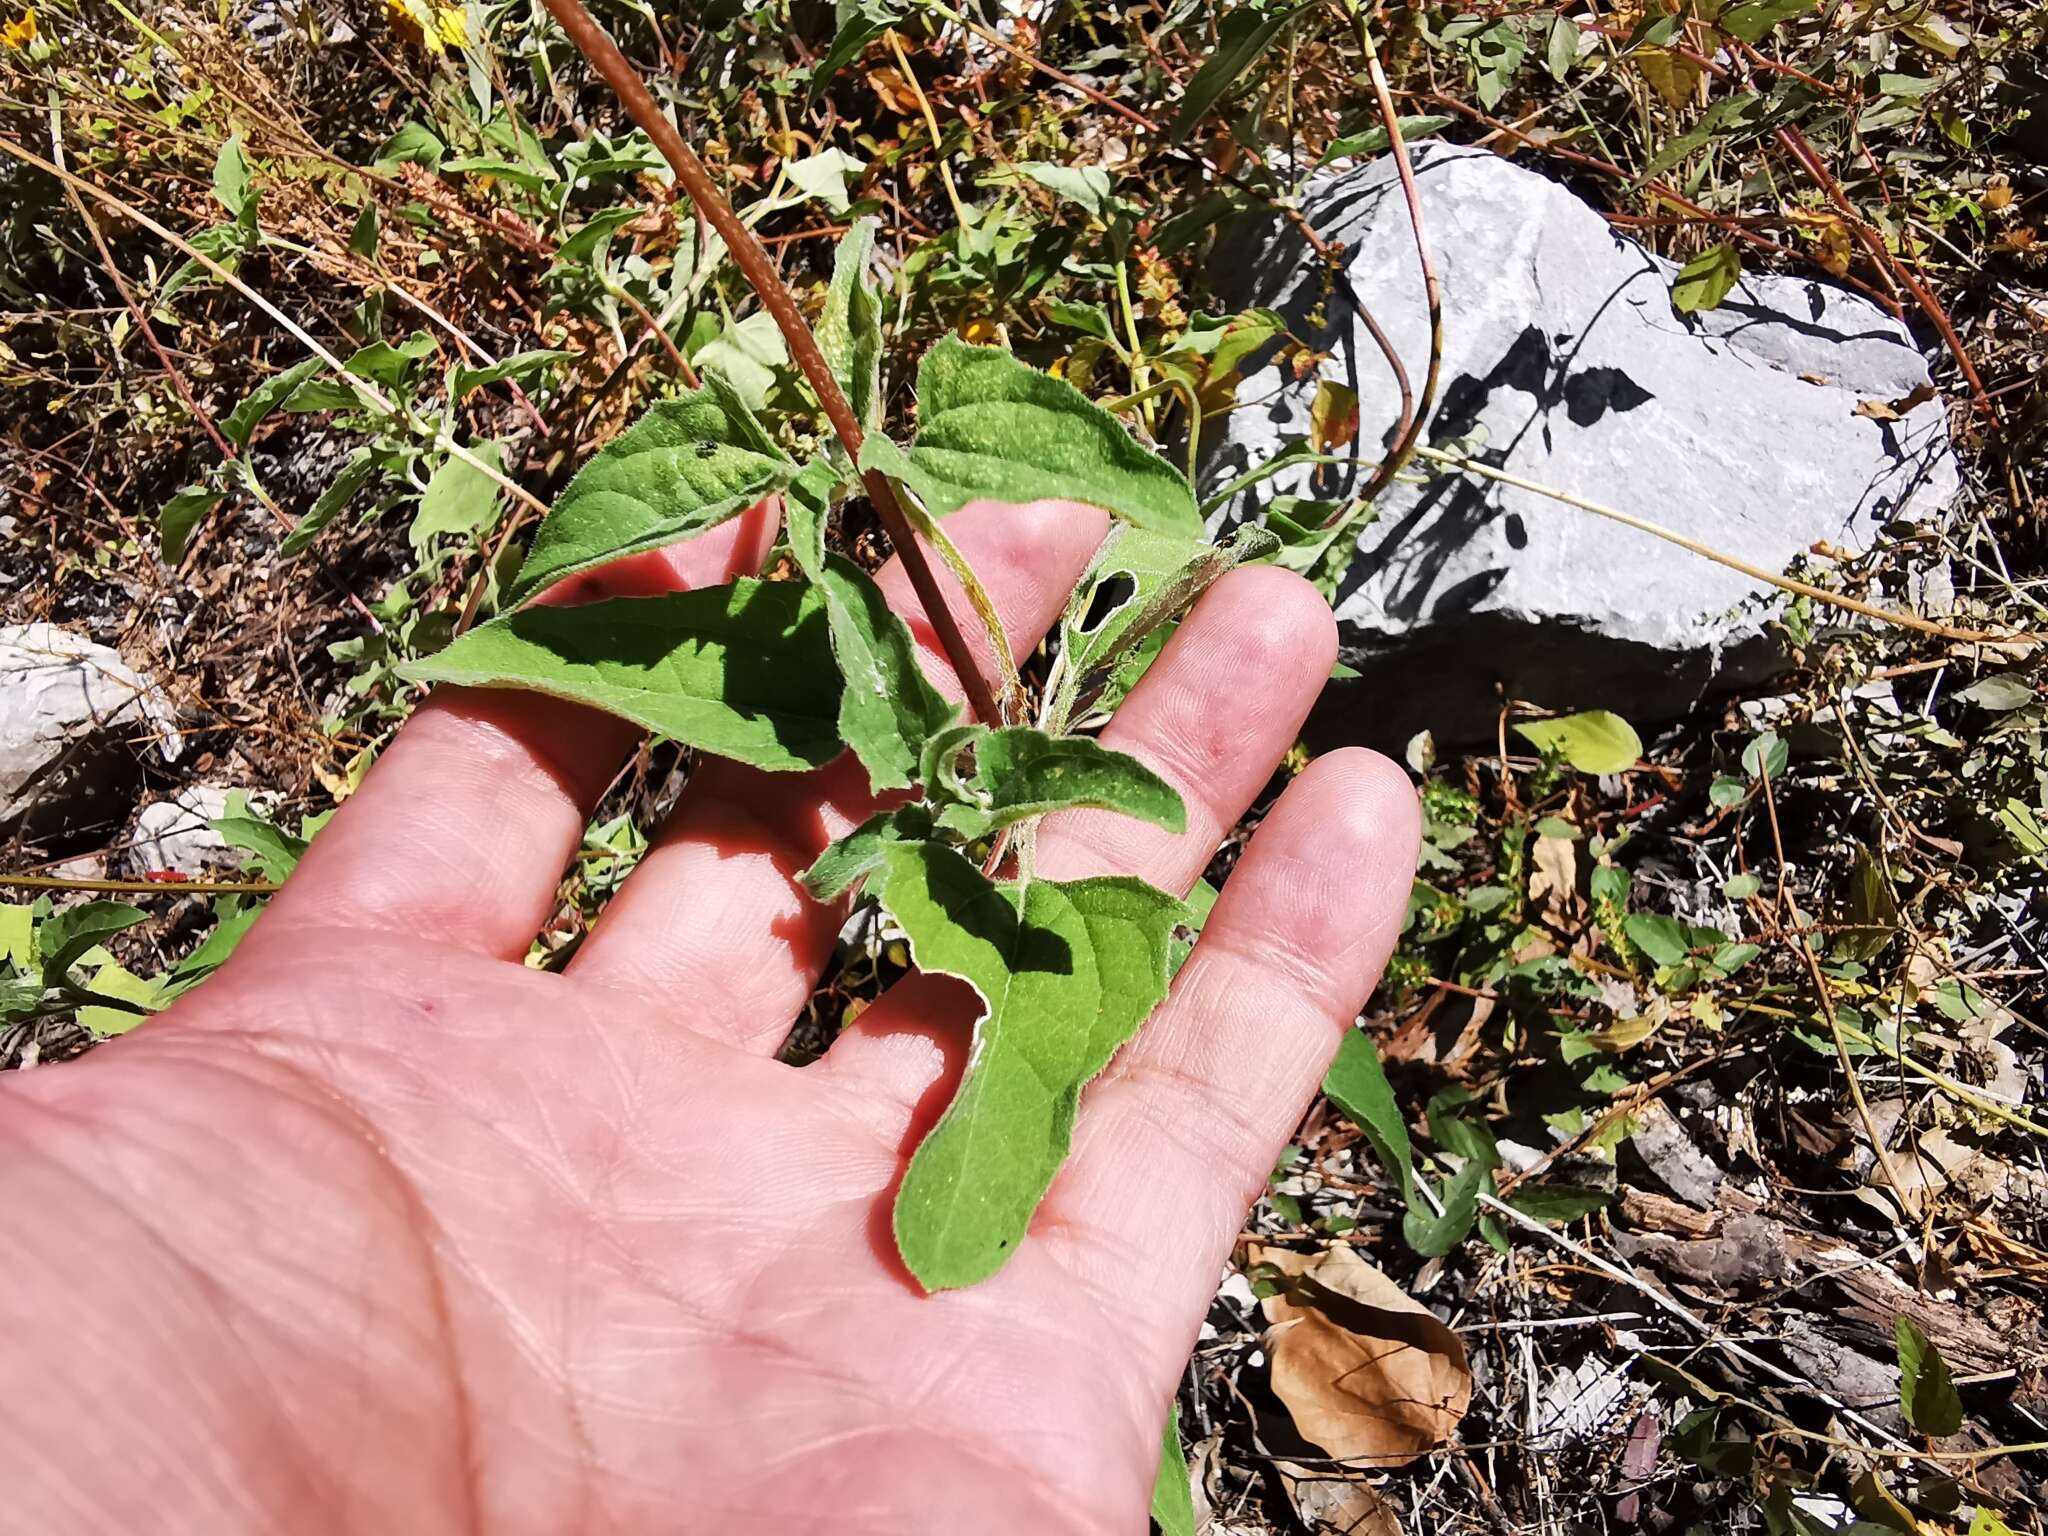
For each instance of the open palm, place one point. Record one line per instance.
(381, 1230)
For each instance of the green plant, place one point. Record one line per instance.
(785, 674)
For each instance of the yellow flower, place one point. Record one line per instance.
(980, 330)
(20, 33)
(453, 25)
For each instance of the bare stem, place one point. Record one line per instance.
(752, 260)
(1417, 418)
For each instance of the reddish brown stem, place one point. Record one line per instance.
(752, 260)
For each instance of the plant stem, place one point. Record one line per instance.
(1417, 418)
(148, 887)
(752, 260)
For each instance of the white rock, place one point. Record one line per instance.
(65, 703)
(177, 833)
(1565, 359)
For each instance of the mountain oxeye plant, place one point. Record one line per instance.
(786, 674)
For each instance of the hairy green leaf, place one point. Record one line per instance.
(850, 329)
(1927, 1392)
(1066, 974)
(992, 427)
(686, 466)
(846, 863)
(823, 176)
(744, 671)
(1597, 741)
(1020, 773)
(1141, 580)
(889, 708)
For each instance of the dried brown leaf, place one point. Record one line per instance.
(1366, 1372)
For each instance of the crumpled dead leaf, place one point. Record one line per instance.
(1366, 1372)
(1327, 1503)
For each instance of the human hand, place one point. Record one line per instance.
(382, 1230)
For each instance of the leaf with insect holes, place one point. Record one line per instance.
(1140, 581)
(1927, 1392)
(850, 329)
(743, 671)
(1241, 36)
(1597, 741)
(1705, 281)
(1066, 973)
(889, 708)
(990, 427)
(685, 466)
(1020, 773)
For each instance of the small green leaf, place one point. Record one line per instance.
(233, 919)
(1743, 886)
(459, 498)
(1020, 773)
(992, 427)
(1241, 37)
(113, 986)
(850, 329)
(1561, 48)
(519, 367)
(889, 708)
(65, 936)
(850, 860)
(685, 466)
(1555, 1204)
(274, 851)
(1357, 1084)
(340, 490)
(1766, 756)
(1663, 939)
(1066, 974)
(1173, 1496)
(240, 423)
(743, 671)
(593, 234)
(824, 175)
(1374, 141)
(1433, 1236)
(180, 515)
(388, 363)
(1086, 186)
(1705, 281)
(1752, 20)
(1597, 741)
(745, 354)
(231, 176)
(362, 236)
(412, 144)
(1927, 1392)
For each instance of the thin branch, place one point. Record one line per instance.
(996, 40)
(754, 264)
(1418, 418)
(1708, 552)
(153, 887)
